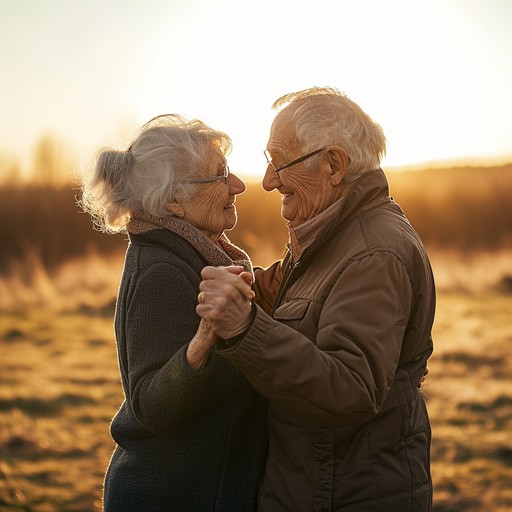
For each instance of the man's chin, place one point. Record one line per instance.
(288, 214)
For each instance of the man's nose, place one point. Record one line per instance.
(271, 179)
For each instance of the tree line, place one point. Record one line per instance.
(465, 208)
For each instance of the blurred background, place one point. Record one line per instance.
(78, 76)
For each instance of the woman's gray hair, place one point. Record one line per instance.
(323, 116)
(168, 151)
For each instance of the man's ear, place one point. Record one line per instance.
(176, 209)
(338, 161)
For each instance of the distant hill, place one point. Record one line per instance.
(467, 206)
(449, 177)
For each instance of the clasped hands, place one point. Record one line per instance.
(225, 299)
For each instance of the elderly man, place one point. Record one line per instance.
(341, 332)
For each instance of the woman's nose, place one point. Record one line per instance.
(236, 185)
(271, 179)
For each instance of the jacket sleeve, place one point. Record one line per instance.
(346, 375)
(161, 320)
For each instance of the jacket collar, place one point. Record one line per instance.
(367, 192)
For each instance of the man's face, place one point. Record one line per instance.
(305, 193)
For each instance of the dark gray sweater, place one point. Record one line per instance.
(187, 440)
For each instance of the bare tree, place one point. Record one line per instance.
(52, 162)
(10, 171)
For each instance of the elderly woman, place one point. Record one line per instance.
(191, 432)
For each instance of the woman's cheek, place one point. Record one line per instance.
(213, 209)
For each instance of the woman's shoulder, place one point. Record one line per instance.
(167, 247)
(161, 256)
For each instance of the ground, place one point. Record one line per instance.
(60, 387)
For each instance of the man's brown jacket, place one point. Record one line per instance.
(339, 354)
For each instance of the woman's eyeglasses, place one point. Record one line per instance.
(211, 179)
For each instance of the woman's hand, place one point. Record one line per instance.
(199, 348)
(423, 378)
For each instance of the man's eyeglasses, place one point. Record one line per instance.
(211, 179)
(293, 162)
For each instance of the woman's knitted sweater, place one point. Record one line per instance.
(187, 440)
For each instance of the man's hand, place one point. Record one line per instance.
(225, 299)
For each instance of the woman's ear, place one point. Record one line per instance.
(176, 209)
(338, 161)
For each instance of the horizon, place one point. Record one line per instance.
(68, 172)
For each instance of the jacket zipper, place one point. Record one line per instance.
(283, 287)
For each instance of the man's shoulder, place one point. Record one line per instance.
(384, 229)
(387, 227)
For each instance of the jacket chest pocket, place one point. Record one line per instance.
(299, 314)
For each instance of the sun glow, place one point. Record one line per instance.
(434, 74)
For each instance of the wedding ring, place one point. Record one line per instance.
(200, 297)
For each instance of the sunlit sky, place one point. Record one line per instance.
(436, 74)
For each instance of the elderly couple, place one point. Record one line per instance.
(292, 388)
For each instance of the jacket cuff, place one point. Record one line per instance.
(224, 344)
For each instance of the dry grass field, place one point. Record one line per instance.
(59, 388)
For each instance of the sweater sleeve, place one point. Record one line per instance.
(163, 390)
(346, 375)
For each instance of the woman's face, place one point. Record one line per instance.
(211, 206)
